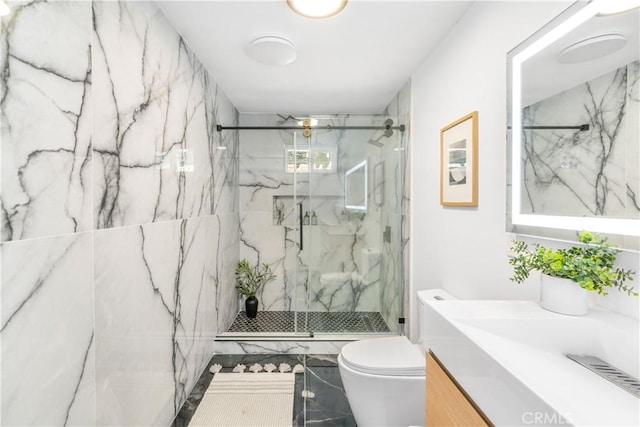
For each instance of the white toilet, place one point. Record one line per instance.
(384, 378)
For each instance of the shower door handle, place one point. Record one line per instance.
(301, 230)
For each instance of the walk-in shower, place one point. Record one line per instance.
(322, 204)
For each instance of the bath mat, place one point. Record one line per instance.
(247, 399)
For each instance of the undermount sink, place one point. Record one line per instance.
(510, 357)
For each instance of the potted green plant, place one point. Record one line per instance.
(567, 274)
(249, 278)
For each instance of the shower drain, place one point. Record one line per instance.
(611, 373)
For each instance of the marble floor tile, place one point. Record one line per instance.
(329, 405)
(323, 404)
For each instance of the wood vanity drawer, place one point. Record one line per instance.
(447, 404)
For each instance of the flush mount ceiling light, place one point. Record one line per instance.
(272, 50)
(612, 7)
(317, 8)
(592, 48)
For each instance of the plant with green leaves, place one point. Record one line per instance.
(589, 265)
(250, 278)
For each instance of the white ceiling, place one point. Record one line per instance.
(544, 76)
(354, 62)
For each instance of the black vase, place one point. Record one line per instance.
(251, 307)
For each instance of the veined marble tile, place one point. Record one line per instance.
(259, 184)
(633, 146)
(46, 120)
(223, 246)
(330, 405)
(282, 347)
(261, 241)
(570, 172)
(262, 160)
(108, 120)
(340, 278)
(48, 343)
(155, 147)
(155, 318)
(225, 164)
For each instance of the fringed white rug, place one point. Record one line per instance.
(247, 399)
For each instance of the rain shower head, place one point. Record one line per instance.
(387, 133)
(376, 143)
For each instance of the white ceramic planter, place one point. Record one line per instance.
(563, 296)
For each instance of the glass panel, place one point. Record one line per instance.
(301, 197)
(354, 274)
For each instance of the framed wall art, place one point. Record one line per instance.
(459, 162)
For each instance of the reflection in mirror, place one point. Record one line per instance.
(575, 96)
(355, 187)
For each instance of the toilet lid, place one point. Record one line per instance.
(384, 356)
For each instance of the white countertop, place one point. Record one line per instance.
(509, 356)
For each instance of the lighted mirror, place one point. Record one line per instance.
(355, 187)
(574, 121)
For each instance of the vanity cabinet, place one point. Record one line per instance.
(447, 404)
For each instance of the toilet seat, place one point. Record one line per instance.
(390, 356)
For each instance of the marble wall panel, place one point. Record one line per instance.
(155, 317)
(156, 146)
(279, 347)
(46, 99)
(47, 332)
(111, 164)
(261, 241)
(223, 247)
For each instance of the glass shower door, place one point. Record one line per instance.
(298, 246)
(353, 249)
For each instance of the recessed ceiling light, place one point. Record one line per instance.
(611, 7)
(317, 8)
(272, 50)
(592, 48)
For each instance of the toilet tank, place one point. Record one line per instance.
(423, 297)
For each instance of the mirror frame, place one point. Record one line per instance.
(518, 222)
